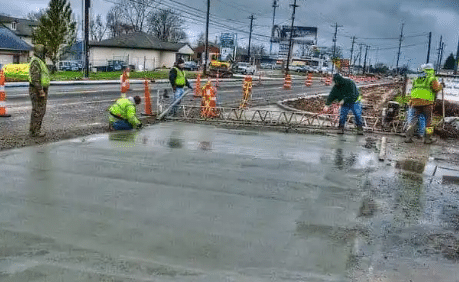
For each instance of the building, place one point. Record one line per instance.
(13, 50)
(139, 50)
(199, 53)
(22, 28)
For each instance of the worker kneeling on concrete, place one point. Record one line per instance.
(345, 90)
(122, 114)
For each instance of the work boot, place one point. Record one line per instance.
(36, 134)
(429, 139)
(359, 130)
(410, 133)
(340, 130)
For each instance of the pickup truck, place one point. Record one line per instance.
(245, 68)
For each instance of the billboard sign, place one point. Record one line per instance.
(301, 34)
(227, 40)
(283, 49)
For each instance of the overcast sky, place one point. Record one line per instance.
(373, 22)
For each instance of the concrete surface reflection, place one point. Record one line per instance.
(217, 205)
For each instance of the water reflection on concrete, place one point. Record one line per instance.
(189, 202)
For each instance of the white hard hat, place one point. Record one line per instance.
(427, 66)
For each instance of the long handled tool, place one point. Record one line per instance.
(161, 116)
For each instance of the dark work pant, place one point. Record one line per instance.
(38, 109)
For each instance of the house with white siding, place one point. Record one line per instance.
(140, 50)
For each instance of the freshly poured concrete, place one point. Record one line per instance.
(183, 202)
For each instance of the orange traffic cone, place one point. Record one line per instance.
(287, 82)
(197, 89)
(124, 79)
(2, 95)
(308, 81)
(148, 111)
(247, 92)
(208, 101)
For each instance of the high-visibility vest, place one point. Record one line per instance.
(180, 80)
(45, 79)
(422, 88)
(124, 109)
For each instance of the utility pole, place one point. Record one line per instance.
(428, 50)
(334, 46)
(365, 60)
(457, 58)
(399, 46)
(352, 51)
(290, 44)
(360, 54)
(441, 54)
(275, 5)
(207, 39)
(250, 34)
(438, 54)
(87, 4)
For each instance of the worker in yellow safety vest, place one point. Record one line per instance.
(423, 95)
(39, 81)
(122, 114)
(177, 78)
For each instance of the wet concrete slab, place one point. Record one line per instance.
(184, 202)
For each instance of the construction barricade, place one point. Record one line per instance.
(2, 95)
(197, 89)
(247, 92)
(208, 101)
(148, 111)
(288, 82)
(125, 85)
(308, 81)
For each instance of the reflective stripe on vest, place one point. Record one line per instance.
(422, 89)
(180, 80)
(45, 79)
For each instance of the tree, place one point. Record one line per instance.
(129, 16)
(167, 26)
(35, 16)
(201, 39)
(115, 24)
(97, 28)
(449, 63)
(56, 29)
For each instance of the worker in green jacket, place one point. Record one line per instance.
(423, 96)
(345, 90)
(122, 114)
(39, 81)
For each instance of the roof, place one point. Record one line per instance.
(212, 48)
(23, 26)
(138, 40)
(10, 41)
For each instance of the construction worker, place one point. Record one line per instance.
(39, 81)
(122, 114)
(178, 81)
(345, 90)
(423, 95)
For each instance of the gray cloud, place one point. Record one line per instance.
(361, 18)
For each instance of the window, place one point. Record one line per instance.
(13, 25)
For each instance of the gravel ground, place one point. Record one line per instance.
(59, 123)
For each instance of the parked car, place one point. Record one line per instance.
(115, 65)
(69, 66)
(190, 66)
(245, 68)
(266, 66)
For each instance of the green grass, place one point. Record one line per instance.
(76, 75)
